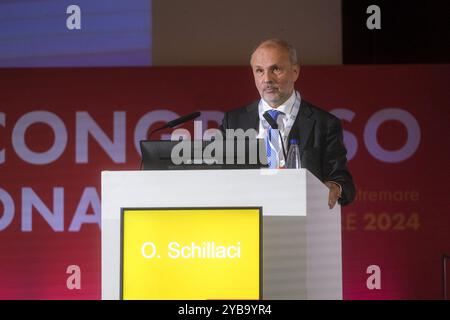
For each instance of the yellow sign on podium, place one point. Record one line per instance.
(191, 253)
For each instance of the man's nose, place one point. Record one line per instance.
(267, 77)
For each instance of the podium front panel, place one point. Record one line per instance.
(295, 215)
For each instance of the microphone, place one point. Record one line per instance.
(270, 120)
(274, 125)
(178, 121)
(171, 124)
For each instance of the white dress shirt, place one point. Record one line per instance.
(286, 109)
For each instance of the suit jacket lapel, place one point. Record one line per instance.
(303, 125)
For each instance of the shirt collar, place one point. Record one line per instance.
(286, 107)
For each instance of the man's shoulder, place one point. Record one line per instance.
(244, 117)
(244, 109)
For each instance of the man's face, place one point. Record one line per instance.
(274, 74)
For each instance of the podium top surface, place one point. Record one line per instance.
(281, 192)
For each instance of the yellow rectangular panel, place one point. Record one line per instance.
(183, 254)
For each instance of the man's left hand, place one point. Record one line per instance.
(334, 194)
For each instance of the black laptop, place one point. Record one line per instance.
(203, 155)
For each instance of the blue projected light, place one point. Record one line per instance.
(101, 33)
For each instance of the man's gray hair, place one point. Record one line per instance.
(281, 44)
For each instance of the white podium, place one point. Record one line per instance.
(301, 235)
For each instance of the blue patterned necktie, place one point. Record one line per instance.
(273, 142)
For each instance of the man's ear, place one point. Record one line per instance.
(296, 68)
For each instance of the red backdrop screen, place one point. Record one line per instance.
(59, 128)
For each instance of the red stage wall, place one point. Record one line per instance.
(59, 128)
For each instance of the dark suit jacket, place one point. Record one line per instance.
(322, 149)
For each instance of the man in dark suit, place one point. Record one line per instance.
(319, 133)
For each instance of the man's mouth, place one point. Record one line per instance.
(270, 89)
